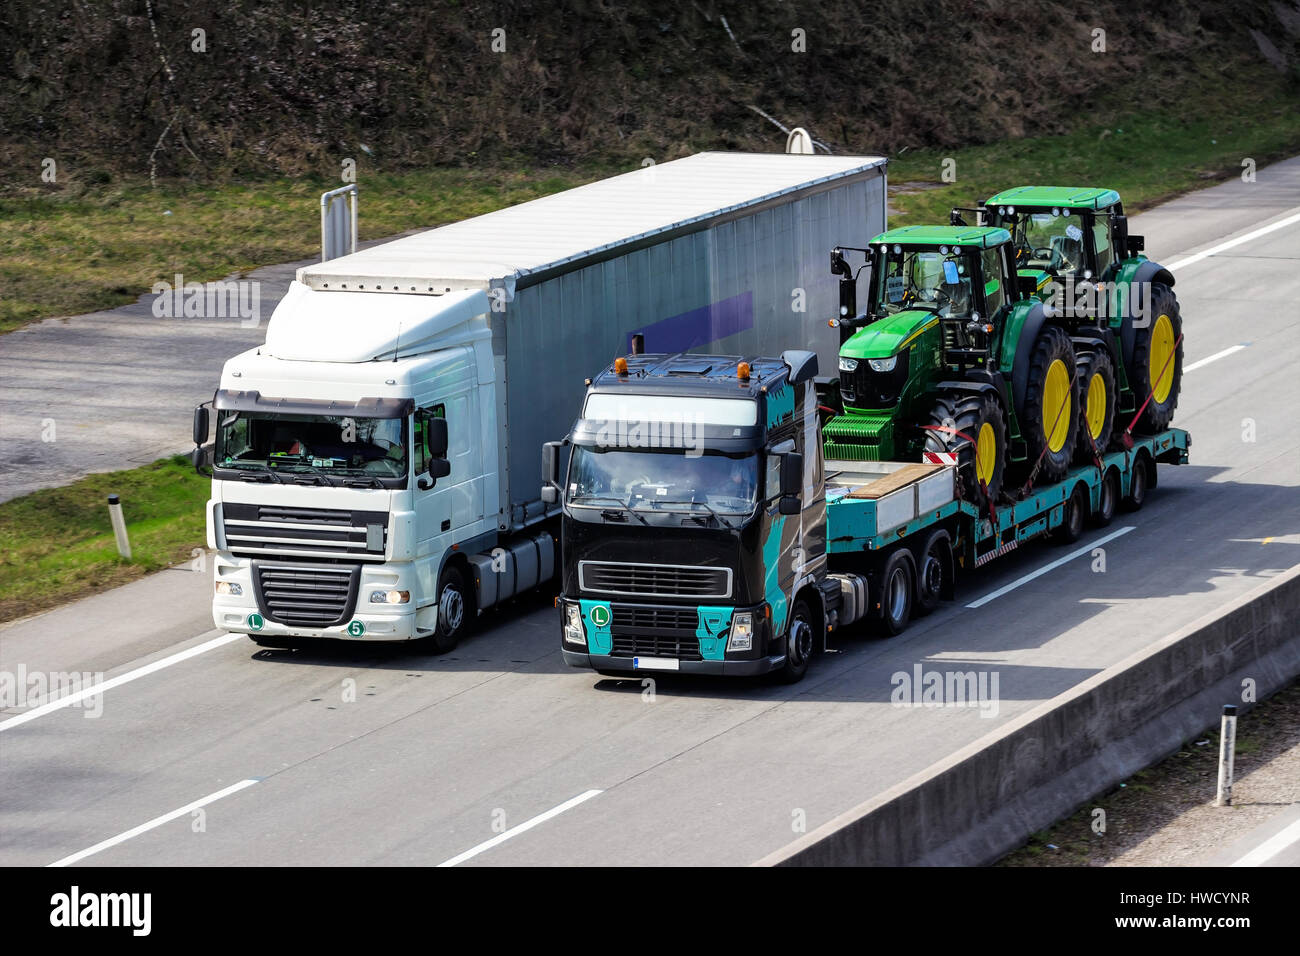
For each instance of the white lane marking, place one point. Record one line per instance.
(994, 595)
(1272, 846)
(1213, 358)
(1231, 243)
(526, 825)
(155, 822)
(97, 689)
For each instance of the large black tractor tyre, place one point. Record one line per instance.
(981, 460)
(1095, 373)
(1051, 420)
(1156, 366)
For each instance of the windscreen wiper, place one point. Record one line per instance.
(721, 520)
(625, 505)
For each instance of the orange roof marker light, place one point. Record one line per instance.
(742, 371)
(620, 365)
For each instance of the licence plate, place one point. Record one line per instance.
(654, 664)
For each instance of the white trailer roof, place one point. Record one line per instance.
(502, 246)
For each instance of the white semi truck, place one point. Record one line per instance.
(374, 465)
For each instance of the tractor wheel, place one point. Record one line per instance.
(1156, 367)
(1051, 419)
(977, 416)
(1095, 373)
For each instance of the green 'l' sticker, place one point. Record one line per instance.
(600, 615)
(255, 622)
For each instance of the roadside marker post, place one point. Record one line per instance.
(1227, 748)
(119, 526)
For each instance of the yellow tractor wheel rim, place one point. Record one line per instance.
(1096, 411)
(986, 454)
(1161, 373)
(1056, 405)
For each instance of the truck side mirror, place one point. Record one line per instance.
(435, 432)
(201, 424)
(792, 484)
(551, 472)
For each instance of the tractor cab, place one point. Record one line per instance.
(937, 297)
(1059, 232)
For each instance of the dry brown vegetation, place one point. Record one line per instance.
(292, 88)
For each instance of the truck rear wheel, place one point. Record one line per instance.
(1051, 419)
(1095, 373)
(1070, 529)
(1156, 366)
(972, 425)
(798, 643)
(896, 590)
(934, 574)
(1139, 483)
(1108, 499)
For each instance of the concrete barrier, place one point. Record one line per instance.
(988, 798)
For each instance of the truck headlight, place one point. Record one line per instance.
(574, 632)
(389, 597)
(741, 637)
(848, 365)
(884, 364)
(229, 587)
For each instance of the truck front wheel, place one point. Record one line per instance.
(455, 611)
(798, 644)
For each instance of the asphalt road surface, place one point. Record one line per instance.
(499, 754)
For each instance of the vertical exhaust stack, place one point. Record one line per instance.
(638, 343)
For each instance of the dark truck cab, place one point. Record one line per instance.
(694, 517)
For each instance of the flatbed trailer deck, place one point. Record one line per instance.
(877, 508)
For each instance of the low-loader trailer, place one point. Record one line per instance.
(741, 551)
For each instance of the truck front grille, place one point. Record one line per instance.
(655, 632)
(661, 580)
(319, 532)
(305, 595)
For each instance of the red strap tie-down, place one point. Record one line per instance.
(1128, 432)
(993, 513)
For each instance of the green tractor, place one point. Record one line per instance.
(954, 353)
(1118, 306)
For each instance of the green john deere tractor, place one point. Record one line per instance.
(1118, 306)
(1013, 347)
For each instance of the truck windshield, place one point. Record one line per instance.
(326, 445)
(937, 280)
(666, 480)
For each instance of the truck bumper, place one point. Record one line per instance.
(613, 643)
(631, 665)
(241, 613)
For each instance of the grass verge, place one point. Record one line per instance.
(97, 246)
(95, 243)
(57, 544)
(1148, 158)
